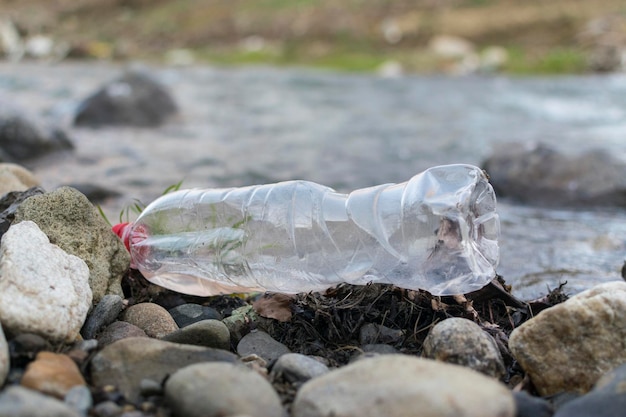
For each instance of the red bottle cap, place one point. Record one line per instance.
(122, 230)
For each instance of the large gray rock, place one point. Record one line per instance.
(463, 342)
(22, 140)
(5, 365)
(402, 385)
(73, 223)
(134, 99)
(569, 346)
(606, 399)
(16, 401)
(43, 289)
(541, 175)
(126, 362)
(221, 389)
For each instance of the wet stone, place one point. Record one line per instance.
(105, 313)
(263, 345)
(209, 333)
(186, 314)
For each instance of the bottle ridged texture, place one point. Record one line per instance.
(437, 232)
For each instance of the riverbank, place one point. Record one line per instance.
(530, 37)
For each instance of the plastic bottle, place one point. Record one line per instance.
(437, 232)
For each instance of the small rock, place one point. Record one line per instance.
(371, 333)
(186, 314)
(134, 99)
(79, 398)
(606, 399)
(25, 346)
(9, 203)
(107, 409)
(149, 387)
(239, 322)
(22, 140)
(16, 401)
(592, 324)
(14, 177)
(378, 349)
(295, 367)
(206, 390)
(209, 333)
(53, 374)
(463, 342)
(530, 406)
(4, 357)
(126, 362)
(402, 385)
(119, 330)
(151, 318)
(75, 225)
(263, 345)
(105, 313)
(43, 290)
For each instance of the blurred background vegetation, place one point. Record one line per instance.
(390, 36)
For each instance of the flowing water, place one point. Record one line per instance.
(260, 125)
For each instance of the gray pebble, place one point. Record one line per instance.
(119, 330)
(186, 314)
(263, 345)
(371, 333)
(463, 342)
(79, 398)
(209, 333)
(531, 406)
(149, 387)
(105, 313)
(295, 367)
(107, 409)
(17, 401)
(221, 389)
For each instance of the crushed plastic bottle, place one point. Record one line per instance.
(436, 232)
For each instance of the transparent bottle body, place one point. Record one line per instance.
(437, 232)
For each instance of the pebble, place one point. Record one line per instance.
(16, 401)
(5, 366)
(262, 344)
(126, 362)
(14, 177)
(9, 203)
(80, 399)
(372, 333)
(378, 349)
(186, 314)
(209, 333)
(69, 219)
(403, 385)
(295, 367)
(119, 330)
(239, 322)
(43, 289)
(151, 318)
(606, 399)
(531, 406)
(53, 374)
(591, 324)
(105, 313)
(107, 409)
(463, 342)
(221, 389)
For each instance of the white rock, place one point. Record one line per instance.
(447, 46)
(403, 385)
(4, 357)
(43, 289)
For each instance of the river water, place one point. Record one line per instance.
(258, 125)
